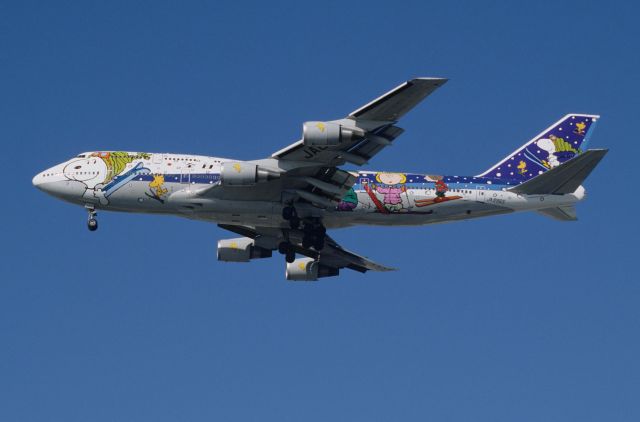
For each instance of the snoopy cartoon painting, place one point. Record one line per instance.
(98, 173)
(555, 147)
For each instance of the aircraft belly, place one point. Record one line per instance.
(137, 196)
(438, 213)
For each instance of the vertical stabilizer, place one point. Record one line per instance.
(555, 145)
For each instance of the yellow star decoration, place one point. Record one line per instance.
(320, 126)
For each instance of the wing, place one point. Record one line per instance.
(331, 256)
(334, 256)
(308, 172)
(364, 132)
(305, 176)
(397, 102)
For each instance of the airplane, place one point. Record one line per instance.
(287, 201)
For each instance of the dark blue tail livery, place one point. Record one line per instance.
(557, 144)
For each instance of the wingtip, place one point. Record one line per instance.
(431, 79)
(599, 151)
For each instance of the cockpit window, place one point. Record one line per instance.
(82, 156)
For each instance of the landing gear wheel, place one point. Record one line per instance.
(92, 223)
(318, 243)
(294, 223)
(314, 234)
(288, 213)
(287, 250)
(290, 256)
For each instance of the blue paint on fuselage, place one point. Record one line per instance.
(414, 181)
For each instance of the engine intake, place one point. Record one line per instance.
(241, 173)
(241, 249)
(308, 269)
(326, 134)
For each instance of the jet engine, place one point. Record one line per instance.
(324, 134)
(240, 173)
(241, 249)
(308, 269)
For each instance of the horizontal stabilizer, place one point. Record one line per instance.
(565, 213)
(565, 178)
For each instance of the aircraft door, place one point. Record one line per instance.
(481, 194)
(185, 174)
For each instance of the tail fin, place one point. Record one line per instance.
(555, 145)
(565, 178)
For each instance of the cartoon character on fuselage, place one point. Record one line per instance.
(97, 170)
(391, 189)
(91, 171)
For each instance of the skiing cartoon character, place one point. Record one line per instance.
(441, 188)
(157, 188)
(98, 171)
(522, 167)
(580, 128)
(556, 148)
(391, 188)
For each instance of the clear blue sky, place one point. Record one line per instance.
(502, 319)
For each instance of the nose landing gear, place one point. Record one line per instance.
(92, 221)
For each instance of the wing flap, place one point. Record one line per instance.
(332, 255)
(336, 256)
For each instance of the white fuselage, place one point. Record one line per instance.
(168, 184)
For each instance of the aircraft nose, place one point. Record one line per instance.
(47, 178)
(37, 180)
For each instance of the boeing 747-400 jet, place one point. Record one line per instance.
(287, 201)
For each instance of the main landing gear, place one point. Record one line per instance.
(92, 221)
(314, 234)
(290, 214)
(287, 250)
(313, 230)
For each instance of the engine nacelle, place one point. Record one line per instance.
(325, 134)
(308, 269)
(241, 173)
(241, 249)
